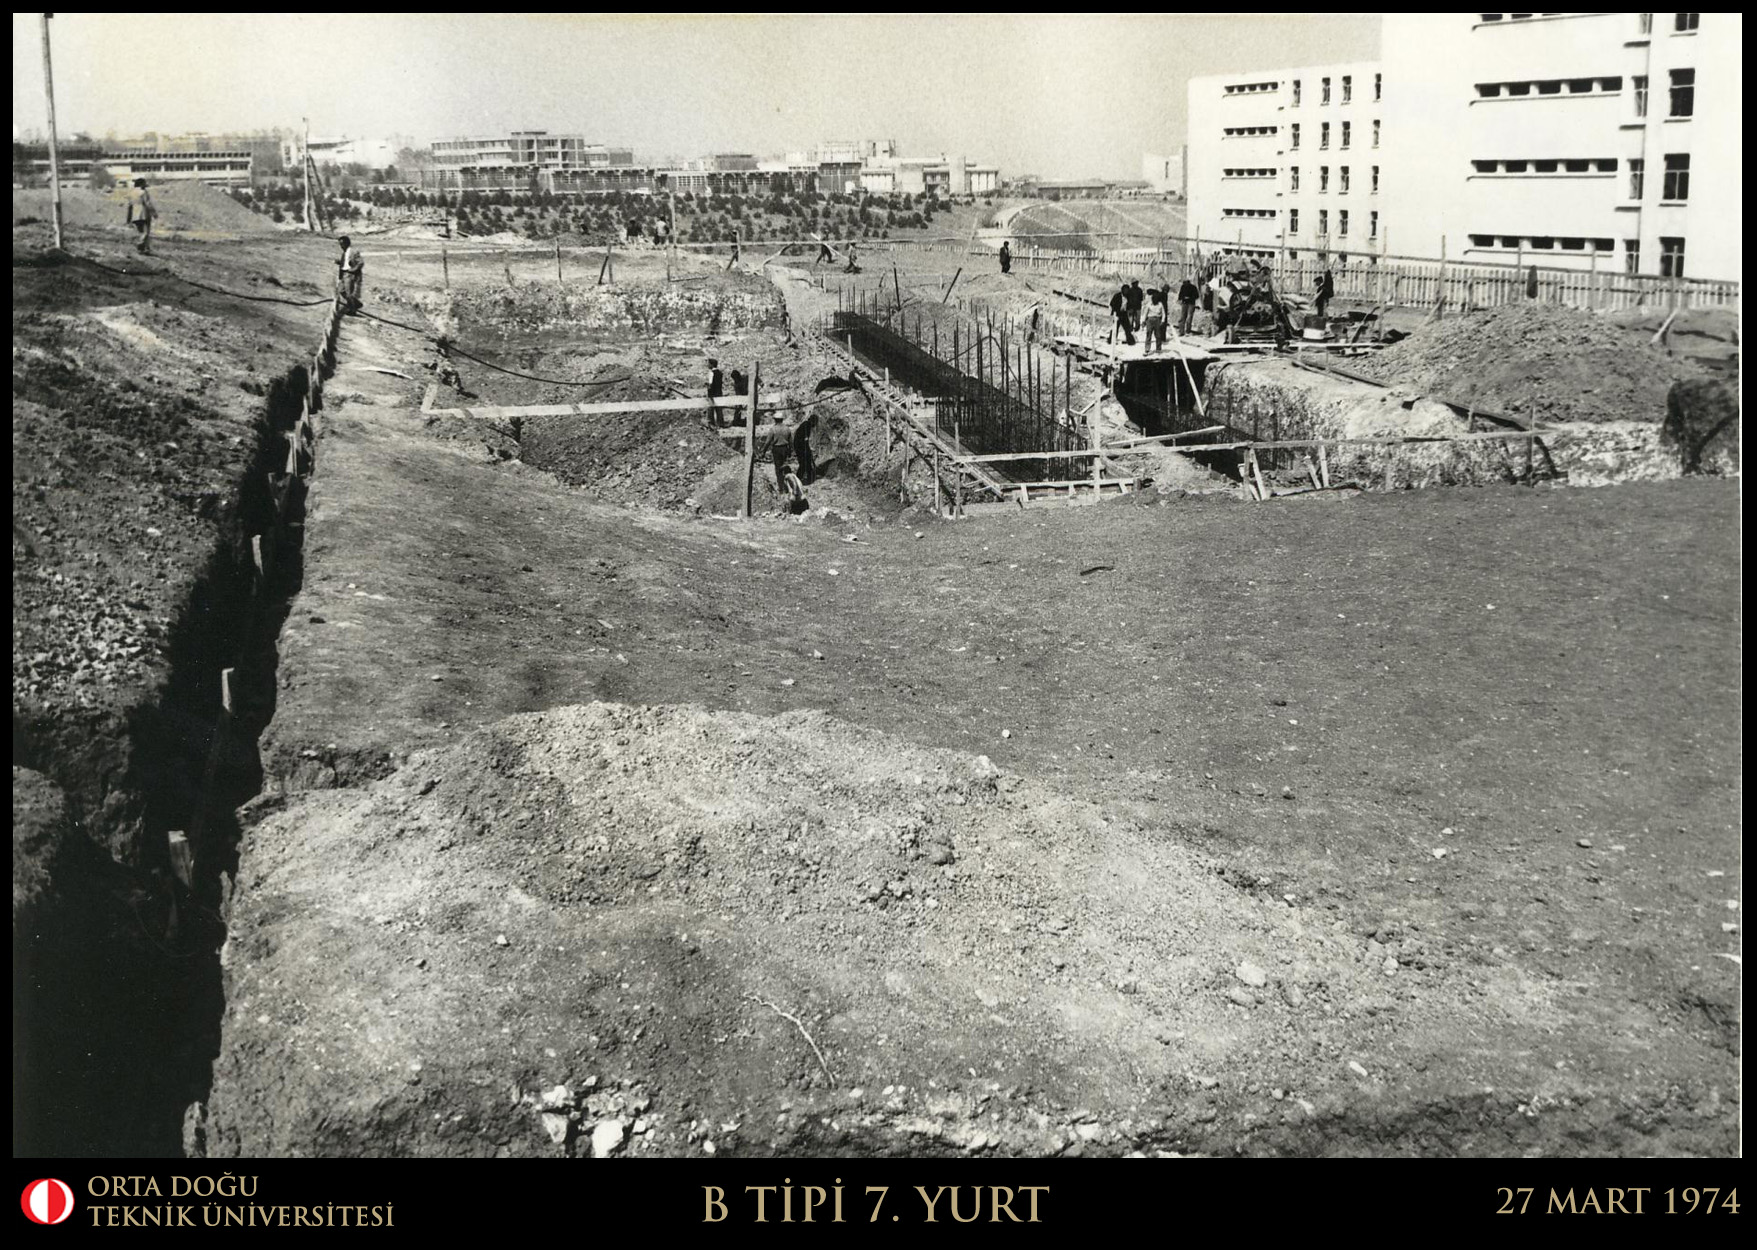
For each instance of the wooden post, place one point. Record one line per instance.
(1323, 465)
(305, 168)
(1531, 442)
(936, 480)
(1257, 473)
(605, 267)
(558, 262)
(445, 264)
(750, 438)
(54, 150)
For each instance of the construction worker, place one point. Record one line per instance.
(1186, 304)
(1135, 300)
(1155, 319)
(824, 253)
(716, 388)
(1119, 311)
(1326, 291)
(140, 215)
(851, 266)
(1006, 258)
(733, 263)
(802, 447)
(350, 273)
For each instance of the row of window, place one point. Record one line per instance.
(1682, 87)
(1250, 88)
(1248, 212)
(1682, 23)
(1247, 173)
(1247, 132)
(1576, 165)
(1324, 135)
(1324, 179)
(1347, 89)
(1341, 223)
(1671, 249)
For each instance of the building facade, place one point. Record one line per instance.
(1585, 140)
(1289, 157)
(1574, 140)
(1164, 174)
(220, 168)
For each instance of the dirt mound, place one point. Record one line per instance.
(1572, 365)
(184, 208)
(650, 929)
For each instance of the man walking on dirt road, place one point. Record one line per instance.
(1006, 258)
(140, 215)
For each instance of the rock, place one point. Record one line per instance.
(501, 940)
(1006, 733)
(1251, 975)
(1390, 964)
(1583, 842)
(556, 1125)
(939, 853)
(1355, 1068)
(1241, 996)
(559, 1098)
(1128, 985)
(1293, 994)
(606, 1138)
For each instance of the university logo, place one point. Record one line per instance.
(47, 1202)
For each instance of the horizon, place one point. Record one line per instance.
(1058, 96)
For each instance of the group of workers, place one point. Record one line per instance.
(784, 445)
(1133, 308)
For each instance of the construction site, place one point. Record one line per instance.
(446, 729)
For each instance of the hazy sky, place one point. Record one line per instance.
(1061, 96)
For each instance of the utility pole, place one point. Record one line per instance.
(54, 151)
(309, 223)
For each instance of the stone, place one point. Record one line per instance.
(1390, 964)
(606, 1138)
(1583, 842)
(1293, 994)
(1354, 1067)
(1006, 733)
(558, 1098)
(500, 940)
(1241, 996)
(556, 1126)
(1251, 975)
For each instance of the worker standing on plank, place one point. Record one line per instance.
(1135, 300)
(140, 215)
(1155, 320)
(1326, 291)
(1186, 304)
(350, 273)
(716, 387)
(1006, 258)
(1119, 311)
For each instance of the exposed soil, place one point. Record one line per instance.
(1559, 363)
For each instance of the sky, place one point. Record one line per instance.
(1058, 96)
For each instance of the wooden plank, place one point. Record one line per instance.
(1164, 438)
(1257, 473)
(1372, 442)
(609, 409)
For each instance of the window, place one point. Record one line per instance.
(1325, 98)
(1509, 241)
(1580, 86)
(1323, 178)
(1671, 257)
(1347, 88)
(1378, 87)
(1683, 92)
(1644, 24)
(1296, 91)
(1373, 224)
(1632, 247)
(1577, 167)
(1515, 167)
(1640, 85)
(1677, 178)
(1323, 221)
(1637, 177)
(1324, 135)
(1342, 224)
(1543, 243)
(1375, 179)
(1344, 187)
(1293, 137)
(1482, 240)
(1375, 132)
(1686, 22)
(1293, 221)
(1544, 167)
(1346, 126)
(1293, 177)
(1550, 86)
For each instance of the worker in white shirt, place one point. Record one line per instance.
(140, 215)
(351, 271)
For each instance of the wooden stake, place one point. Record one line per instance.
(558, 262)
(1324, 465)
(445, 264)
(1256, 472)
(750, 438)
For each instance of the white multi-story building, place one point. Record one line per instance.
(1164, 175)
(1584, 140)
(1289, 157)
(1607, 140)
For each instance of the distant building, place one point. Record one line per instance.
(517, 160)
(221, 168)
(1165, 174)
(1073, 189)
(373, 153)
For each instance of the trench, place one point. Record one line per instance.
(118, 995)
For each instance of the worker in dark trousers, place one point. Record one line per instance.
(1135, 299)
(716, 388)
(1006, 259)
(1119, 311)
(1186, 305)
(802, 447)
(1326, 292)
(824, 253)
